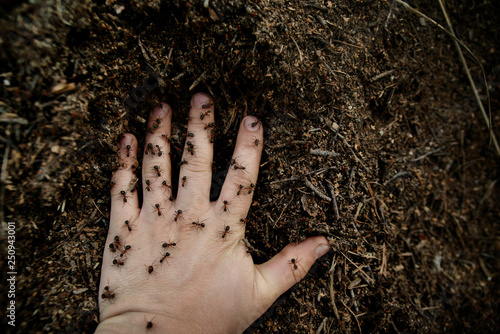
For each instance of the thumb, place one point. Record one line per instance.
(288, 267)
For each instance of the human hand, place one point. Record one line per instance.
(180, 265)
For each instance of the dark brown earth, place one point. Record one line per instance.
(416, 244)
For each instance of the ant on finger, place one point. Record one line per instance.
(157, 170)
(294, 262)
(123, 193)
(118, 263)
(148, 185)
(150, 268)
(251, 188)
(209, 125)
(166, 138)
(188, 134)
(184, 180)
(256, 141)
(125, 250)
(128, 148)
(164, 256)
(183, 162)
(240, 187)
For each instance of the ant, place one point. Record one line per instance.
(151, 269)
(127, 248)
(243, 221)
(157, 208)
(112, 184)
(184, 180)
(256, 141)
(236, 166)
(148, 185)
(107, 293)
(225, 231)
(254, 124)
(203, 114)
(128, 225)
(199, 225)
(206, 105)
(251, 188)
(177, 214)
(240, 187)
(135, 165)
(294, 263)
(149, 149)
(212, 136)
(164, 256)
(166, 137)
(157, 170)
(112, 247)
(120, 165)
(149, 324)
(116, 243)
(158, 149)
(128, 147)
(188, 134)
(225, 204)
(118, 263)
(183, 162)
(166, 185)
(190, 147)
(157, 123)
(209, 125)
(124, 194)
(169, 244)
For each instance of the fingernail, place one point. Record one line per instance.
(321, 250)
(159, 112)
(126, 140)
(252, 123)
(201, 100)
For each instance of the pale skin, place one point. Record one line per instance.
(207, 282)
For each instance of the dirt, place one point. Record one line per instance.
(414, 224)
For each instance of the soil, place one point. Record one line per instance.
(414, 224)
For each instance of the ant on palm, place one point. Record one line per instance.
(150, 268)
(177, 215)
(225, 231)
(164, 256)
(169, 244)
(158, 209)
(128, 225)
(225, 203)
(199, 225)
(107, 293)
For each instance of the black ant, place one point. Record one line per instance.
(184, 180)
(212, 136)
(157, 208)
(177, 215)
(236, 166)
(294, 263)
(157, 123)
(225, 231)
(244, 221)
(188, 134)
(112, 247)
(199, 225)
(148, 185)
(203, 114)
(124, 194)
(166, 185)
(149, 324)
(127, 248)
(183, 162)
(107, 293)
(120, 165)
(112, 184)
(116, 243)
